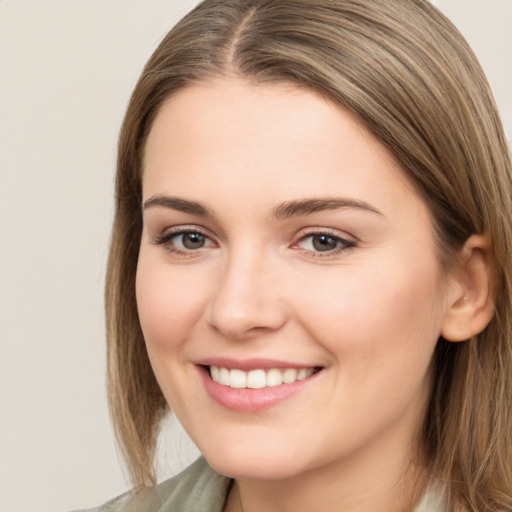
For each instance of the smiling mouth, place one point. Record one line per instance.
(259, 378)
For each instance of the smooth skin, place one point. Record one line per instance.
(228, 269)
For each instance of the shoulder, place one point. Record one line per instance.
(198, 488)
(432, 501)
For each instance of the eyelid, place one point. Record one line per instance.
(348, 242)
(165, 237)
(169, 232)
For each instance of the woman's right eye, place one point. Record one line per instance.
(184, 241)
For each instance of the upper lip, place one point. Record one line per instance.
(251, 364)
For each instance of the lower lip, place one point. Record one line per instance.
(251, 400)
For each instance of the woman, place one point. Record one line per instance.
(310, 263)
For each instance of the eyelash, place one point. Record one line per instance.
(342, 243)
(166, 240)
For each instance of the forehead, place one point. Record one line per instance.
(278, 139)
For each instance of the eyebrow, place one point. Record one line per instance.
(176, 203)
(296, 208)
(309, 206)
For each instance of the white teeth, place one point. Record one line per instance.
(258, 379)
(215, 373)
(290, 375)
(237, 379)
(224, 376)
(274, 377)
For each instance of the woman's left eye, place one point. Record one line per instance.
(324, 243)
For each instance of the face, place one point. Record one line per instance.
(288, 286)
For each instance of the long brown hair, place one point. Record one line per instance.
(406, 72)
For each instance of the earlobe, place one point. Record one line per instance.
(471, 302)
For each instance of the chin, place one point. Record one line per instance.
(240, 465)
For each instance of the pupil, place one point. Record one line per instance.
(324, 243)
(193, 240)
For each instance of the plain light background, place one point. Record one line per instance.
(66, 71)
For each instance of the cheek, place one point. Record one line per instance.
(169, 302)
(385, 313)
(380, 334)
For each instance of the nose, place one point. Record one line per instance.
(248, 300)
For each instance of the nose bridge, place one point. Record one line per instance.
(246, 301)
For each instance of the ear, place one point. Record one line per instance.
(470, 301)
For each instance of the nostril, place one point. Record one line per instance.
(245, 321)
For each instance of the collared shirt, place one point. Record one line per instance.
(199, 488)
